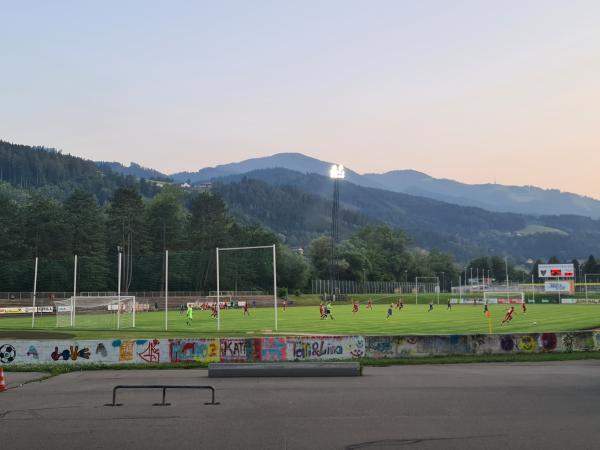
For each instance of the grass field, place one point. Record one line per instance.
(413, 319)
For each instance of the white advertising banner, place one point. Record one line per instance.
(556, 271)
(558, 286)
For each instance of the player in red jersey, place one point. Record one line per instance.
(370, 304)
(246, 312)
(284, 304)
(355, 306)
(524, 307)
(509, 315)
(322, 310)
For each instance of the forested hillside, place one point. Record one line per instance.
(39, 167)
(466, 232)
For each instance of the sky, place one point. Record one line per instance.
(476, 91)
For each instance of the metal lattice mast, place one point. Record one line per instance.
(336, 173)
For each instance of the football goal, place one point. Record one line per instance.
(107, 312)
(503, 298)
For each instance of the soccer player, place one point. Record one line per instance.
(389, 311)
(322, 310)
(485, 308)
(430, 307)
(329, 311)
(449, 305)
(399, 304)
(508, 317)
(190, 315)
(284, 304)
(215, 312)
(524, 307)
(370, 304)
(181, 308)
(254, 303)
(246, 312)
(354, 306)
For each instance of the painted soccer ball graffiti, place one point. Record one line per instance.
(7, 353)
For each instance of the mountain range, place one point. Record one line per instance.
(296, 204)
(493, 197)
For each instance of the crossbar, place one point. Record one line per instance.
(164, 388)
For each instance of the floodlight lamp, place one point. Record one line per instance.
(337, 171)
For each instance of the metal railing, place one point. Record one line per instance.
(164, 388)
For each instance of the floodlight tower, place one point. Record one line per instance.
(336, 173)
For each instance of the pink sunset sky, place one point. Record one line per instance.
(468, 90)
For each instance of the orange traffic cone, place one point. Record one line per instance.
(2, 382)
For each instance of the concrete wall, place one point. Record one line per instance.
(292, 348)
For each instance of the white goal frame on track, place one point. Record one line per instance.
(427, 278)
(230, 249)
(503, 294)
(111, 304)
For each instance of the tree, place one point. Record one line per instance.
(45, 235)
(209, 223)
(292, 269)
(576, 269)
(166, 220)
(386, 250)
(85, 224)
(535, 271)
(126, 229)
(318, 253)
(591, 266)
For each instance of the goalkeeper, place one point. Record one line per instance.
(189, 315)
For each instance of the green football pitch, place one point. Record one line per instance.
(413, 319)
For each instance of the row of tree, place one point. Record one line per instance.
(381, 253)
(191, 225)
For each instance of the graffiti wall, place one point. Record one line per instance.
(325, 348)
(81, 352)
(407, 346)
(296, 348)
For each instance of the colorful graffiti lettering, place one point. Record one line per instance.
(126, 351)
(190, 350)
(317, 348)
(380, 347)
(33, 353)
(101, 350)
(344, 347)
(273, 349)
(72, 353)
(236, 350)
(151, 354)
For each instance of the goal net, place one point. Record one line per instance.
(504, 298)
(109, 312)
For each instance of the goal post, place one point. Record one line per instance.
(104, 312)
(591, 282)
(436, 284)
(233, 249)
(504, 297)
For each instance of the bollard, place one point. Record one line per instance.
(2, 380)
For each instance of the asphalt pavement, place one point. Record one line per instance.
(468, 406)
